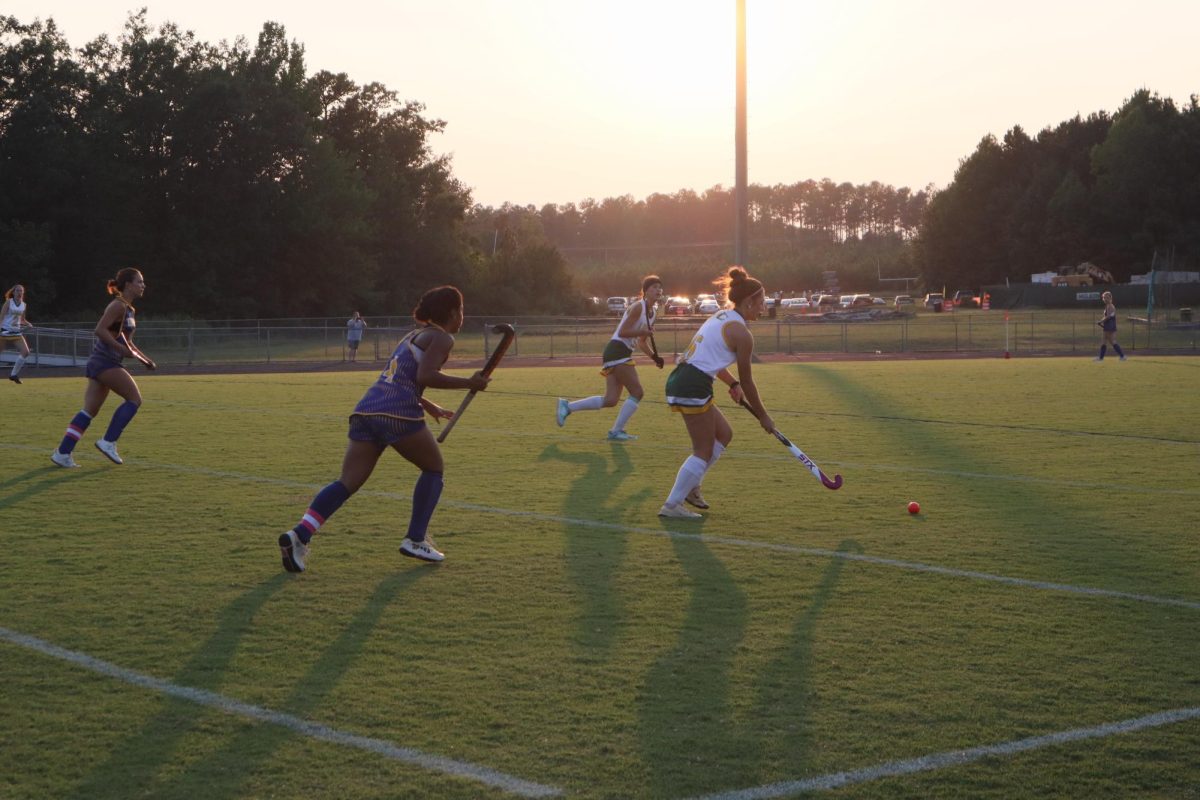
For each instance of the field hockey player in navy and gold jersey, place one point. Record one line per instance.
(723, 339)
(392, 414)
(106, 372)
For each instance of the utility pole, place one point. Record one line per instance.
(741, 218)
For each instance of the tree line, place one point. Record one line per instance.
(797, 232)
(1113, 190)
(245, 187)
(241, 185)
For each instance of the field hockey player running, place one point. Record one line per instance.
(12, 322)
(392, 414)
(722, 340)
(106, 373)
(636, 326)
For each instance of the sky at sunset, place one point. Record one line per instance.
(555, 101)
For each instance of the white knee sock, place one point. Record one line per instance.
(689, 477)
(587, 404)
(17, 366)
(718, 448)
(627, 408)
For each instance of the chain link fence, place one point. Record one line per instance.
(311, 341)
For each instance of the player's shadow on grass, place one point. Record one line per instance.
(1060, 531)
(53, 476)
(131, 765)
(594, 556)
(685, 706)
(785, 691)
(131, 771)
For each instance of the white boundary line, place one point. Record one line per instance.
(524, 788)
(911, 566)
(313, 730)
(954, 758)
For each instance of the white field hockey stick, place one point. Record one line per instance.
(835, 483)
(491, 364)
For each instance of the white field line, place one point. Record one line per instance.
(911, 566)
(313, 730)
(1007, 477)
(954, 758)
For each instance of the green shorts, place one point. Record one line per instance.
(689, 390)
(615, 354)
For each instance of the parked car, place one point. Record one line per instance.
(935, 301)
(902, 300)
(966, 299)
(878, 301)
(845, 300)
(860, 300)
(677, 306)
(795, 303)
(617, 305)
(823, 302)
(707, 304)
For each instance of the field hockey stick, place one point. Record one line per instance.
(835, 483)
(497, 354)
(138, 355)
(658, 360)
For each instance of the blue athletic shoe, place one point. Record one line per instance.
(564, 411)
(620, 436)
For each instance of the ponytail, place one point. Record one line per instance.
(117, 285)
(738, 285)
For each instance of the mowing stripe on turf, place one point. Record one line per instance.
(954, 758)
(313, 730)
(912, 566)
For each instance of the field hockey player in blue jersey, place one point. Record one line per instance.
(392, 414)
(106, 371)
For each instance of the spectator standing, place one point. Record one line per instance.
(354, 334)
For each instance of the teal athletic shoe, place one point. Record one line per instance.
(621, 436)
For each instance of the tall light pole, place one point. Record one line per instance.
(741, 219)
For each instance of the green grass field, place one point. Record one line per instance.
(572, 641)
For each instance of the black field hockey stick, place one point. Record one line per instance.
(835, 483)
(497, 354)
(658, 360)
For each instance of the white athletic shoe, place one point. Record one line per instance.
(621, 436)
(1122, 358)
(423, 550)
(63, 459)
(563, 412)
(294, 552)
(694, 499)
(679, 512)
(109, 449)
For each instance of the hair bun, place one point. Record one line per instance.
(737, 275)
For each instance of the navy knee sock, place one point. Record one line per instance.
(75, 432)
(327, 501)
(1120, 352)
(120, 419)
(1103, 350)
(425, 500)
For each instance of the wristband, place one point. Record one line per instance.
(734, 385)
